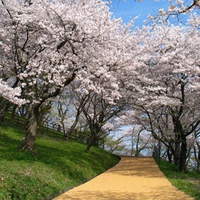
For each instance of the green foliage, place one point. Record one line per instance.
(188, 182)
(53, 168)
(113, 144)
(81, 135)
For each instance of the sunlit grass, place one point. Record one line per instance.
(188, 182)
(53, 168)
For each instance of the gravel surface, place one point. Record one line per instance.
(131, 179)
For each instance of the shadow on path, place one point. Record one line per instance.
(131, 179)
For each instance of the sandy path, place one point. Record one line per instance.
(131, 179)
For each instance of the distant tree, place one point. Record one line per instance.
(196, 148)
(134, 134)
(98, 112)
(115, 145)
(139, 141)
(62, 111)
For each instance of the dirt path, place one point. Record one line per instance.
(131, 179)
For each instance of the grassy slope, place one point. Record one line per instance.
(55, 167)
(188, 182)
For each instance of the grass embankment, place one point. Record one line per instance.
(188, 182)
(55, 167)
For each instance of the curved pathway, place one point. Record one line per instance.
(131, 179)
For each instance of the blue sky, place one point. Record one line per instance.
(129, 9)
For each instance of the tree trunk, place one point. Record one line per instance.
(71, 130)
(176, 153)
(28, 142)
(198, 163)
(5, 105)
(91, 142)
(137, 154)
(73, 126)
(14, 111)
(137, 145)
(132, 144)
(65, 133)
(95, 130)
(183, 155)
(169, 155)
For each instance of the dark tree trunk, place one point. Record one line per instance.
(198, 162)
(95, 130)
(70, 131)
(65, 135)
(183, 155)
(14, 111)
(137, 154)
(169, 155)
(90, 143)
(197, 157)
(137, 145)
(28, 142)
(5, 105)
(177, 149)
(59, 128)
(177, 153)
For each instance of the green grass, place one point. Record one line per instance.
(188, 182)
(55, 166)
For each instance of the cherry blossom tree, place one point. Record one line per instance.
(132, 129)
(165, 88)
(98, 112)
(46, 45)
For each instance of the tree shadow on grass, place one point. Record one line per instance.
(69, 159)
